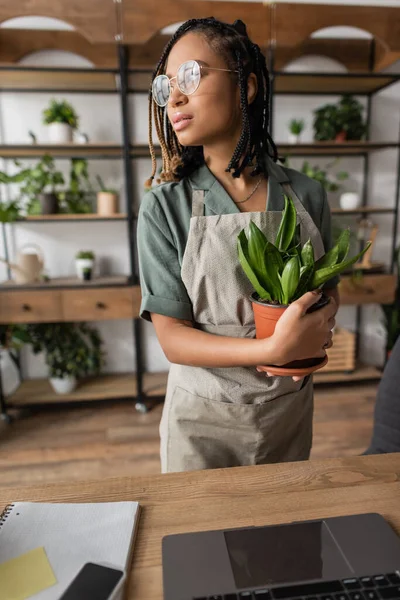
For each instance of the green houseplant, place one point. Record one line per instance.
(61, 119)
(77, 198)
(296, 126)
(84, 260)
(39, 186)
(281, 272)
(107, 199)
(322, 175)
(72, 351)
(340, 122)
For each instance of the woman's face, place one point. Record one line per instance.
(212, 113)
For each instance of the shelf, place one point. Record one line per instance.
(362, 210)
(104, 387)
(362, 373)
(331, 83)
(72, 217)
(53, 79)
(334, 148)
(89, 150)
(69, 283)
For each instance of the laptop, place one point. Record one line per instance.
(342, 558)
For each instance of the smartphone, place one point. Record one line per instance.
(94, 582)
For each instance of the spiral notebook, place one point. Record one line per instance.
(71, 535)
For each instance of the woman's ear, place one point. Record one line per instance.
(252, 87)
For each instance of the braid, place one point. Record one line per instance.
(255, 140)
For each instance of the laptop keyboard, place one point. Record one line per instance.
(375, 587)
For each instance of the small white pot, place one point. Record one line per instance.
(107, 203)
(294, 138)
(60, 133)
(81, 264)
(63, 385)
(350, 201)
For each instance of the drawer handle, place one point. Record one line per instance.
(100, 305)
(26, 307)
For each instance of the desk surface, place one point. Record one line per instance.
(237, 497)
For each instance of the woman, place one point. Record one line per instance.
(209, 102)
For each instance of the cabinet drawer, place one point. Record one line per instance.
(30, 307)
(101, 304)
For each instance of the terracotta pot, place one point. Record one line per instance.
(341, 137)
(107, 203)
(266, 317)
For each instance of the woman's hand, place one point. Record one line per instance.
(299, 335)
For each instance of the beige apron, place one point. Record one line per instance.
(225, 417)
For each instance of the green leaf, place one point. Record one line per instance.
(306, 274)
(323, 275)
(307, 254)
(244, 261)
(290, 279)
(343, 244)
(256, 246)
(287, 226)
(274, 266)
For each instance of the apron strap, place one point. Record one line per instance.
(309, 228)
(198, 203)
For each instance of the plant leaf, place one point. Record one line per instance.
(273, 266)
(256, 246)
(323, 275)
(244, 261)
(287, 226)
(307, 254)
(343, 244)
(306, 274)
(290, 279)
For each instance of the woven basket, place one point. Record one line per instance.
(342, 355)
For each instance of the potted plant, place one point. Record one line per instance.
(72, 351)
(61, 119)
(281, 272)
(84, 260)
(107, 199)
(322, 175)
(340, 122)
(78, 197)
(296, 126)
(39, 186)
(391, 312)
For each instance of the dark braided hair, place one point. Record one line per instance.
(243, 56)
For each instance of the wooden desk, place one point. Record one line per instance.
(233, 498)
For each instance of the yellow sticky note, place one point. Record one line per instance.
(25, 575)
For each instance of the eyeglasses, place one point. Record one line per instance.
(187, 78)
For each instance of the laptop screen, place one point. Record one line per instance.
(280, 554)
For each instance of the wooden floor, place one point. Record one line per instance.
(108, 440)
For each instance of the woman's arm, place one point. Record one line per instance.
(297, 335)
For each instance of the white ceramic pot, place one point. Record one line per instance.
(81, 264)
(107, 203)
(350, 201)
(63, 385)
(60, 133)
(294, 138)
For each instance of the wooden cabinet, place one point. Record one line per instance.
(46, 306)
(100, 304)
(30, 307)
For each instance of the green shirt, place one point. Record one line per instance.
(163, 228)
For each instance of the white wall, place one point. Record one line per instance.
(100, 118)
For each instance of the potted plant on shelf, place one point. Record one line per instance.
(39, 187)
(107, 199)
(78, 197)
(281, 272)
(84, 260)
(322, 175)
(61, 119)
(340, 122)
(296, 126)
(72, 351)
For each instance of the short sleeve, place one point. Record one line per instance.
(326, 234)
(163, 291)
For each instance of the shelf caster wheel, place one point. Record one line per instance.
(141, 408)
(6, 418)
